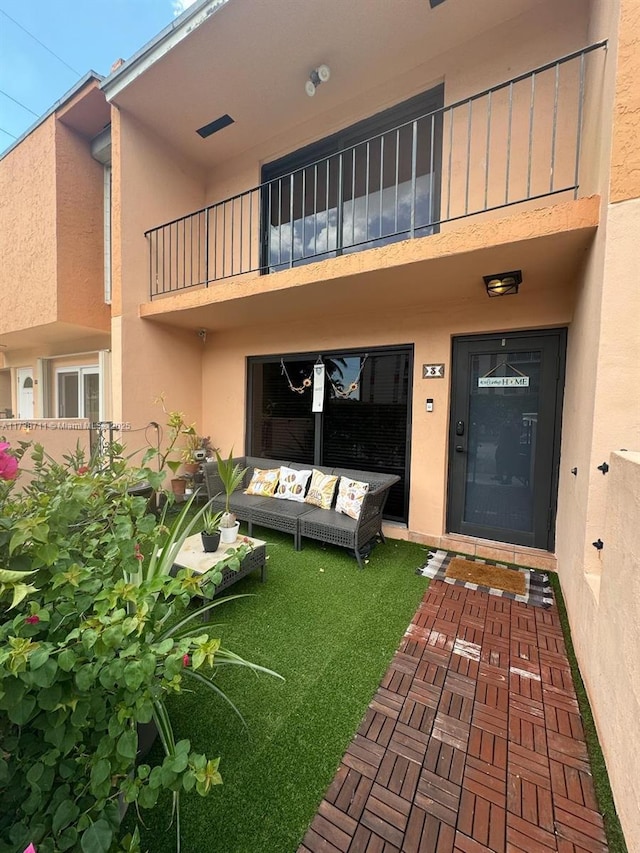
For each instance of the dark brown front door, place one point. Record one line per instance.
(505, 436)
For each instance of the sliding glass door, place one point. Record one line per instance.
(373, 183)
(366, 417)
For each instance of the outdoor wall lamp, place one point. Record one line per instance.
(503, 283)
(319, 75)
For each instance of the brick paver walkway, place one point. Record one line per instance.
(472, 743)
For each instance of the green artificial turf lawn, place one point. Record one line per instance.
(331, 631)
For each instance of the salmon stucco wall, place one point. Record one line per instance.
(28, 232)
(58, 437)
(602, 415)
(79, 232)
(51, 232)
(429, 329)
(148, 184)
(610, 663)
(625, 156)
(516, 46)
(5, 392)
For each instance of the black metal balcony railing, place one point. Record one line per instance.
(516, 142)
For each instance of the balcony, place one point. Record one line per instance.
(517, 142)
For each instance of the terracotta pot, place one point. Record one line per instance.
(191, 467)
(178, 486)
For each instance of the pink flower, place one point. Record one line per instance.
(137, 553)
(32, 620)
(186, 660)
(83, 469)
(8, 463)
(30, 849)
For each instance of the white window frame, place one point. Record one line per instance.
(81, 371)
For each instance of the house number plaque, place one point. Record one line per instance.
(433, 371)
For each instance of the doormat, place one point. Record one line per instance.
(537, 589)
(492, 577)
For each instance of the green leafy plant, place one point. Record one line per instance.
(182, 439)
(196, 449)
(231, 475)
(210, 520)
(96, 631)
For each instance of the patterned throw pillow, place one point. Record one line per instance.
(321, 489)
(292, 484)
(263, 482)
(350, 497)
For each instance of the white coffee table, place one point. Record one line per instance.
(192, 556)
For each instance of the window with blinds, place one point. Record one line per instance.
(364, 427)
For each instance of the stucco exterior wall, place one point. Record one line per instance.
(518, 45)
(79, 232)
(602, 415)
(429, 328)
(5, 390)
(57, 437)
(51, 234)
(148, 182)
(625, 157)
(608, 656)
(28, 232)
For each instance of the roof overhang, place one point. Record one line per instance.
(70, 102)
(165, 41)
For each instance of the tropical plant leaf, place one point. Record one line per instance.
(97, 838)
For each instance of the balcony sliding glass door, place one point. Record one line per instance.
(371, 184)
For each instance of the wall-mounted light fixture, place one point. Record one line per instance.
(503, 283)
(319, 75)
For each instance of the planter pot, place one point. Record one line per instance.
(178, 486)
(228, 535)
(147, 734)
(210, 541)
(191, 467)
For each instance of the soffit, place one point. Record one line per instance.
(88, 113)
(251, 60)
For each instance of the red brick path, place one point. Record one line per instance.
(472, 743)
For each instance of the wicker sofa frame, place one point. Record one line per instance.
(302, 519)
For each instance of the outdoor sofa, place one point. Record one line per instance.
(304, 519)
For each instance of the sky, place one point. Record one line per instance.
(84, 34)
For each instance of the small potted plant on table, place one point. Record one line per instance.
(231, 476)
(210, 530)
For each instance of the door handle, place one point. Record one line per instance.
(459, 448)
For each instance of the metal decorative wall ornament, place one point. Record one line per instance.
(345, 393)
(299, 389)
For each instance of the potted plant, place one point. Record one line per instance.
(231, 476)
(210, 529)
(173, 455)
(95, 635)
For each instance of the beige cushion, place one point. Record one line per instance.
(350, 497)
(292, 484)
(321, 489)
(263, 482)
